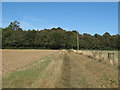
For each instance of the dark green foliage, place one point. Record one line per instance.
(56, 38)
(14, 25)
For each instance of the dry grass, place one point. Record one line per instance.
(100, 55)
(92, 73)
(18, 59)
(43, 74)
(64, 69)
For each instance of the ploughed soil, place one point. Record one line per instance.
(18, 59)
(64, 69)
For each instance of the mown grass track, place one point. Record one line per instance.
(65, 69)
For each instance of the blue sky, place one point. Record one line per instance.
(85, 17)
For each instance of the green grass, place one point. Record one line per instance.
(24, 78)
(64, 70)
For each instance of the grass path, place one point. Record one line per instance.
(64, 70)
(89, 73)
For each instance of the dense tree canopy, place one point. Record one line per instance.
(56, 38)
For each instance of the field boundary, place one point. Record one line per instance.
(98, 55)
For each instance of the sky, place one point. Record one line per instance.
(85, 17)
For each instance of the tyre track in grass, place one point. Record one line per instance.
(74, 75)
(79, 71)
(88, 73)
(65, 69)
(51, 74)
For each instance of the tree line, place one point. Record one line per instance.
(14, 37)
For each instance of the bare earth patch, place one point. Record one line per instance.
(17, 59)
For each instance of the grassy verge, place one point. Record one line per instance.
(64, 70)
(25, 78)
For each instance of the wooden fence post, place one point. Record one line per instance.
(111, 58)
